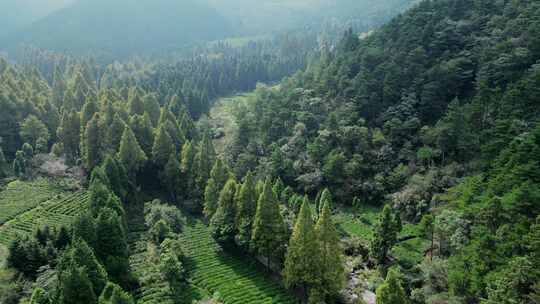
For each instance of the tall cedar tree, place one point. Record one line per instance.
(3, 164)
(189, 168)
(385, 235)
(303, 257)
(136, 104)
(246, 207)
(114, 134)
(33, 129)
(391, 291)
(69, 134)
(90, 145)
(222, 222)
(163, 147)
(111, 245)
(117, 175)
(211, 197)
(80, 255)
(151, 106)
(268, 235)
(205, 160)
(89, 109)
(332, 274)
(130, 153)
(113, 294)
(172, 176)
(219, 173)
(144, 131)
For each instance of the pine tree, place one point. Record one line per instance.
(391, 291)
(90, 145)
(89, 109)
(80, 255)
(189, 169)
(32, 129)
(246, 206)
(136, 104)
(326, 197)
(39, 296)
(114, 134)
(332, 274)
(130, 153)
(187, 126)
(172, 176)
(385, 235)
(19, 165)
(3, 164)
(114, 294)
(143, 130)
(75, 287)
(303, 259)
(211, 198)
(278, 188)
(111, 245)
(69, 135)
(268, 235)
(222, 222)
(117, 175)
(163, 147)
(204, 161)
(219, 173)
(151, 106)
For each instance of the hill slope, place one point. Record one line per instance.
(123, 27)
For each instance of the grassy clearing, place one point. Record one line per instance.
(57, 211)
(233, 279)
(359, 222)
(20, 197)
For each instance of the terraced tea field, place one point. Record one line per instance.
(233, 278)
(19, 197)
(57, 211)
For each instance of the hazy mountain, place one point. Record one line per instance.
(123, 26)
(20, 13)
(269, 15)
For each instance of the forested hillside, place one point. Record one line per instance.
(435, 114)
(398, 165)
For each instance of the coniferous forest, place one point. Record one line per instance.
(355, 152)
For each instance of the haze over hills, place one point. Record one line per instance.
(123, 27)
(21, 13)
(110, 26)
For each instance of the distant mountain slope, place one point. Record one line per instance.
(123, 27)
(21, 13)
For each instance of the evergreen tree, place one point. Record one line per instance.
(80, 256)
(211, 198)
(114, 294)
(278, 188)
(3, 164)
(84, 228)
(117, 176)
(222, 222)
(130, 153)
(219, 173)
(163, 147)
(152, 107)
(246, 206)
(39, 296)
(32, 129)
(89, 109)
(90, 146)
(75, 287)
(144, 132)
(136, 104)
(204, 161)
(187, 126)
(385, 235)
(391, 291)
(28, 151)
(114, 134)
(111, 245)
(303, 258)
(189, 168)
(332, 274)
(19, 165)
(172, 176)
(69, 135)
(268, 235)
